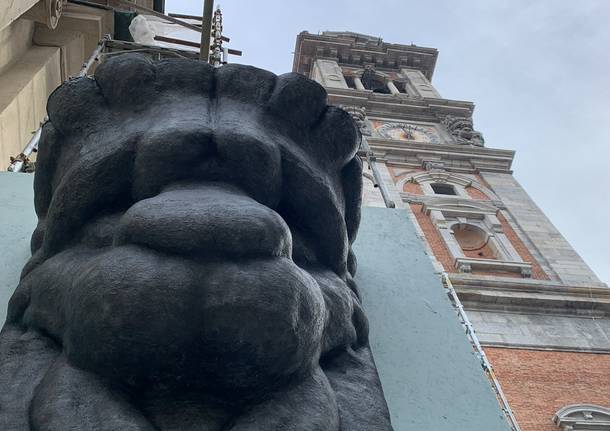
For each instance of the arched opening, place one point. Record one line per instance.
(374, 82)
(473, 241)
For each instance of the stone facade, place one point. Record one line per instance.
(42, 44)
(540, 312)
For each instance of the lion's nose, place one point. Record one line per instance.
(205, 219)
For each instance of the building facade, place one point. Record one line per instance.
(541, 314)
(43, 43)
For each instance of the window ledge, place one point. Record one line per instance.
(467, 264)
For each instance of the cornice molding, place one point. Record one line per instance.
(532, 296)
(471, 159)
(400, 106)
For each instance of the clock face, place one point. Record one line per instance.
(407, 132)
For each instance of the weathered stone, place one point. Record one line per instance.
(192, 264)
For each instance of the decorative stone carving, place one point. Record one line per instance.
(434, 165)
(583, 417)
(46, 12)
(358, 113)
(462, 131)
(192, 265)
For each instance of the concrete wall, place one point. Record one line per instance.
(17, 221)
(11, 10)
(24, 88)
(15, 40)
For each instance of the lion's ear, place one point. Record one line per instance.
(184, 77)
(247, 84)
(127, 82)
(335, 138)
(76, 105)
(298, 99)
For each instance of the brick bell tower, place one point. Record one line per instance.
(541, 314)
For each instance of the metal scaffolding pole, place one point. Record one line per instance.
(206, 29)
(377, 180)
(474, 340)
(19, 162)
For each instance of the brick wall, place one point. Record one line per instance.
(434, 239)
(476, 194)
(414, 188)
(538, 383)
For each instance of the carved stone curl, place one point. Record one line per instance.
(462, 130)
(192, 265)
(46, 12)
(358, 113)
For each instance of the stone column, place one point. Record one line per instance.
(392, 87)
(329, 74)
(420, 84)
(358, 83)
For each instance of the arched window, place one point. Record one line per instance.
(374, 82)
(583, 417)
(473, 241)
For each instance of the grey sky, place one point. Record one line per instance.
(538, 72)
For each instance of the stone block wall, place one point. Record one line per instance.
(34, 60)
(564, 262)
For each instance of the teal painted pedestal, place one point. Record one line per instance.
(430, 375)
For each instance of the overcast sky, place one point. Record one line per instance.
(537, 71)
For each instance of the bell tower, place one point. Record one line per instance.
(541, 314)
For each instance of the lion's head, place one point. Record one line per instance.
(195, 229)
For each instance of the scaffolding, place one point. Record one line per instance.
(105, 47)
(110, 47)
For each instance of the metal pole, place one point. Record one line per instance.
(32, 146)
(206, 28)
(19, 161)
(472, 336)
(93, 57)
(370, 158)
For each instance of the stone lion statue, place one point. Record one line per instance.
(192, 265)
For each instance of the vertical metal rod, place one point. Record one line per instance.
(206, 29)
(472, 336)
(94, 56)
(370, 158)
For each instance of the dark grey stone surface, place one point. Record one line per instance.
(191, 267)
